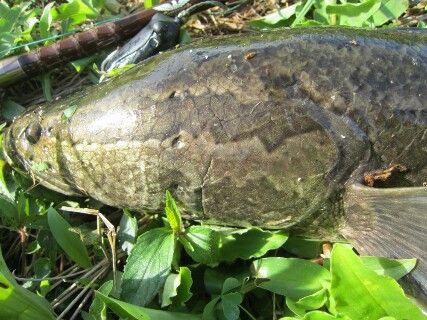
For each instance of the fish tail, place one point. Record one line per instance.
(390, 222)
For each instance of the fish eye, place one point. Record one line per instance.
(33, 132)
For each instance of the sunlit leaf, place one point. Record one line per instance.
(300, 15)
(354, 14)
(147, 266)
(360, 293)
(395, 268)
(98, 308)
(46, 20)
(150, 3)
(279, 18)
(19, 303)
(133, 312)
(177, 288)
(389, 10)
(172, 213)
(291, 277)
(127, 231)
(250, 243)
(202, 244)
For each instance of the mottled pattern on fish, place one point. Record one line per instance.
(265, 138)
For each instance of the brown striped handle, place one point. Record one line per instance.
(83, 43)
(76, 46)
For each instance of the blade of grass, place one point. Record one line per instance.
(301, 15)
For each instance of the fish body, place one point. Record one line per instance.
(274, 129)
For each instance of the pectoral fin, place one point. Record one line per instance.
(390, 222)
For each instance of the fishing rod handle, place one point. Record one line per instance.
(72, 48)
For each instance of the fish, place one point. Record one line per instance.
(276, 129)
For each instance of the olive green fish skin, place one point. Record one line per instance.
(262, 130)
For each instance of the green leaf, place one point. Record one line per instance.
(313, 301)
(46, 83)
(250, 243)
(184, 293)
(231, 298)
(133, 312)
(68, 112)
(150, 3)
(170, 289)
(23, 208)
(7, 183)
(303, 248)
(44, 287)
(19, 303)
(10, 17)
(76, 11)
(184, 37)
(390, 267)
(296, 309)
(301, 14)
(230, 305)
(10, 109)
(46, 20)
(8, 211)
(230, 284)
(320, 15)
(209, 310)
(389, 10)
(320, 315)
(81, 64)
(202, 244)
(172, 213)
(42, 268)
(177, 288)
(98, 308)
(67, 239)
(147, 266)
(119, 70)
(33, 247)
(127, 231)
(15, 25)
(354, 14)
(291, 277)
(277, 19)
(360, 293)
(227, 304)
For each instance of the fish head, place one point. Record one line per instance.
(31, 145)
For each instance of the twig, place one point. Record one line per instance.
(92, 212)
(53, 278)
(71, 269)
(87, 287)
(74, 285)
(81, 305)
(247, 312)
(65, 295)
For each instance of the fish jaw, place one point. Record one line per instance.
(37, 159)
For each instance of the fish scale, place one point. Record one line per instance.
(273, 129)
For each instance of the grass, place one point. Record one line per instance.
(70, 262)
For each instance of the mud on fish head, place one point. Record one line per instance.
(30, 145)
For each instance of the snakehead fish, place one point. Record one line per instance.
(275, 129)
